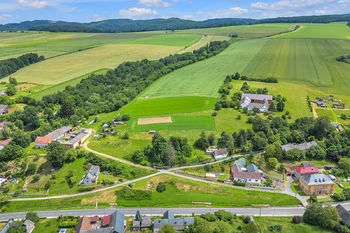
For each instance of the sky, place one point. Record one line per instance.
(12, 11)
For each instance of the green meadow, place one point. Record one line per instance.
(319, 31)
(178, 123)
(169, 39)
(154, 107)
(204, 78)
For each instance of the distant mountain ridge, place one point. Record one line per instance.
(128, 25)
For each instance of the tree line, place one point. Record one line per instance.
(10, 66)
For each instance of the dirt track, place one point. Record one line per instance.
(154, 120)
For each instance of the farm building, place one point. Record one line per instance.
(60, 133)
(250, 174)
(316, 184)
(303, 146)
(258, 101)
(91, 176)
(168, 218)
(220, 154)
(139, 222)
(210, 151)
(113, 223)
(42, 142)
(77, 139)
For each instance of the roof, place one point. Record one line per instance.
(59, 132)
(84, 224)
(106, 220)
(210, 175)
(7, 226)
(78, 137)
(316, 179)
(236, 173)
(117, 221)
(240, 163)
(220, 152)
(93, 219)
(302, 146)
(306, 170)
(252, 168)
(257, 96)
(5, 142)
(4, 107)
(307, 165)
(94, 169)
(43, 140)
(29, 225)
(343, 214)
(168, 218)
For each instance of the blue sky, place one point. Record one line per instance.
(94, 10)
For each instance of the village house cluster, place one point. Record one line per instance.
(217, 153)
(250, 174)
(251, 101)
(116, 223)
(64, 135)
(335, 103)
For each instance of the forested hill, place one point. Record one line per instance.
(128, 25)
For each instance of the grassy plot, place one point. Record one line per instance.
(244, 31)
(64, 68)
(206, 39)
(204, 78)
(319, 31)
(178, 123)
(287, 225)
(169, 39)
(182, 192)
(154, 107)
(311, 61)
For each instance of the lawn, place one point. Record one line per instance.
(287, 225)
(296, 189)
(182, 192)
(178, 123)
(319, 31)
(154, 107)
(66, 67)
(204, 78)
(310, 61)
(168, 39)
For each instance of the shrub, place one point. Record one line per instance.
(32, 217)
(275, 228)
(247, 220)
(125, 117)
(36, 178)
(296, 219)
(161, 187)
(133, 194)
(209, 217)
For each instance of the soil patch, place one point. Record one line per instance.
(155, 120)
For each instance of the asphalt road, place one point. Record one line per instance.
(288, 211)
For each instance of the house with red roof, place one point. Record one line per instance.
(42, 142)
(247, 174)
(299, 171)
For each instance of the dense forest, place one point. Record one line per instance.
(128, 25)
(11, 65)
(107, 93)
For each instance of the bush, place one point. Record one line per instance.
(36, 178)
(125, 117)
(133, 194)
(296, 219)
(32, 217)
(247, 220)
(161, 187)
(126, 136)
(209, 217)
(275, 228)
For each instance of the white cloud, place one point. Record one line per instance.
(137, 13)
(97, 17)
(37, 4)
(288, 4)
(5, 17)
(227, 13)
(154, 3)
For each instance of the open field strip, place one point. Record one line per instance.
(168, 39)
(63, 68)
(244, 31)
(154, 120)
(204, 78)
(153, 107)
(319, 31)
(206, 39)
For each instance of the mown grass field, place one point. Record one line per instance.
(154, 107)
(244, 31)
(179, 123)
(204, 78)
(66, 67)
(311, 61)
(319, 31)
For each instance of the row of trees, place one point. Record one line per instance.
(10, 66)
(238, 76)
